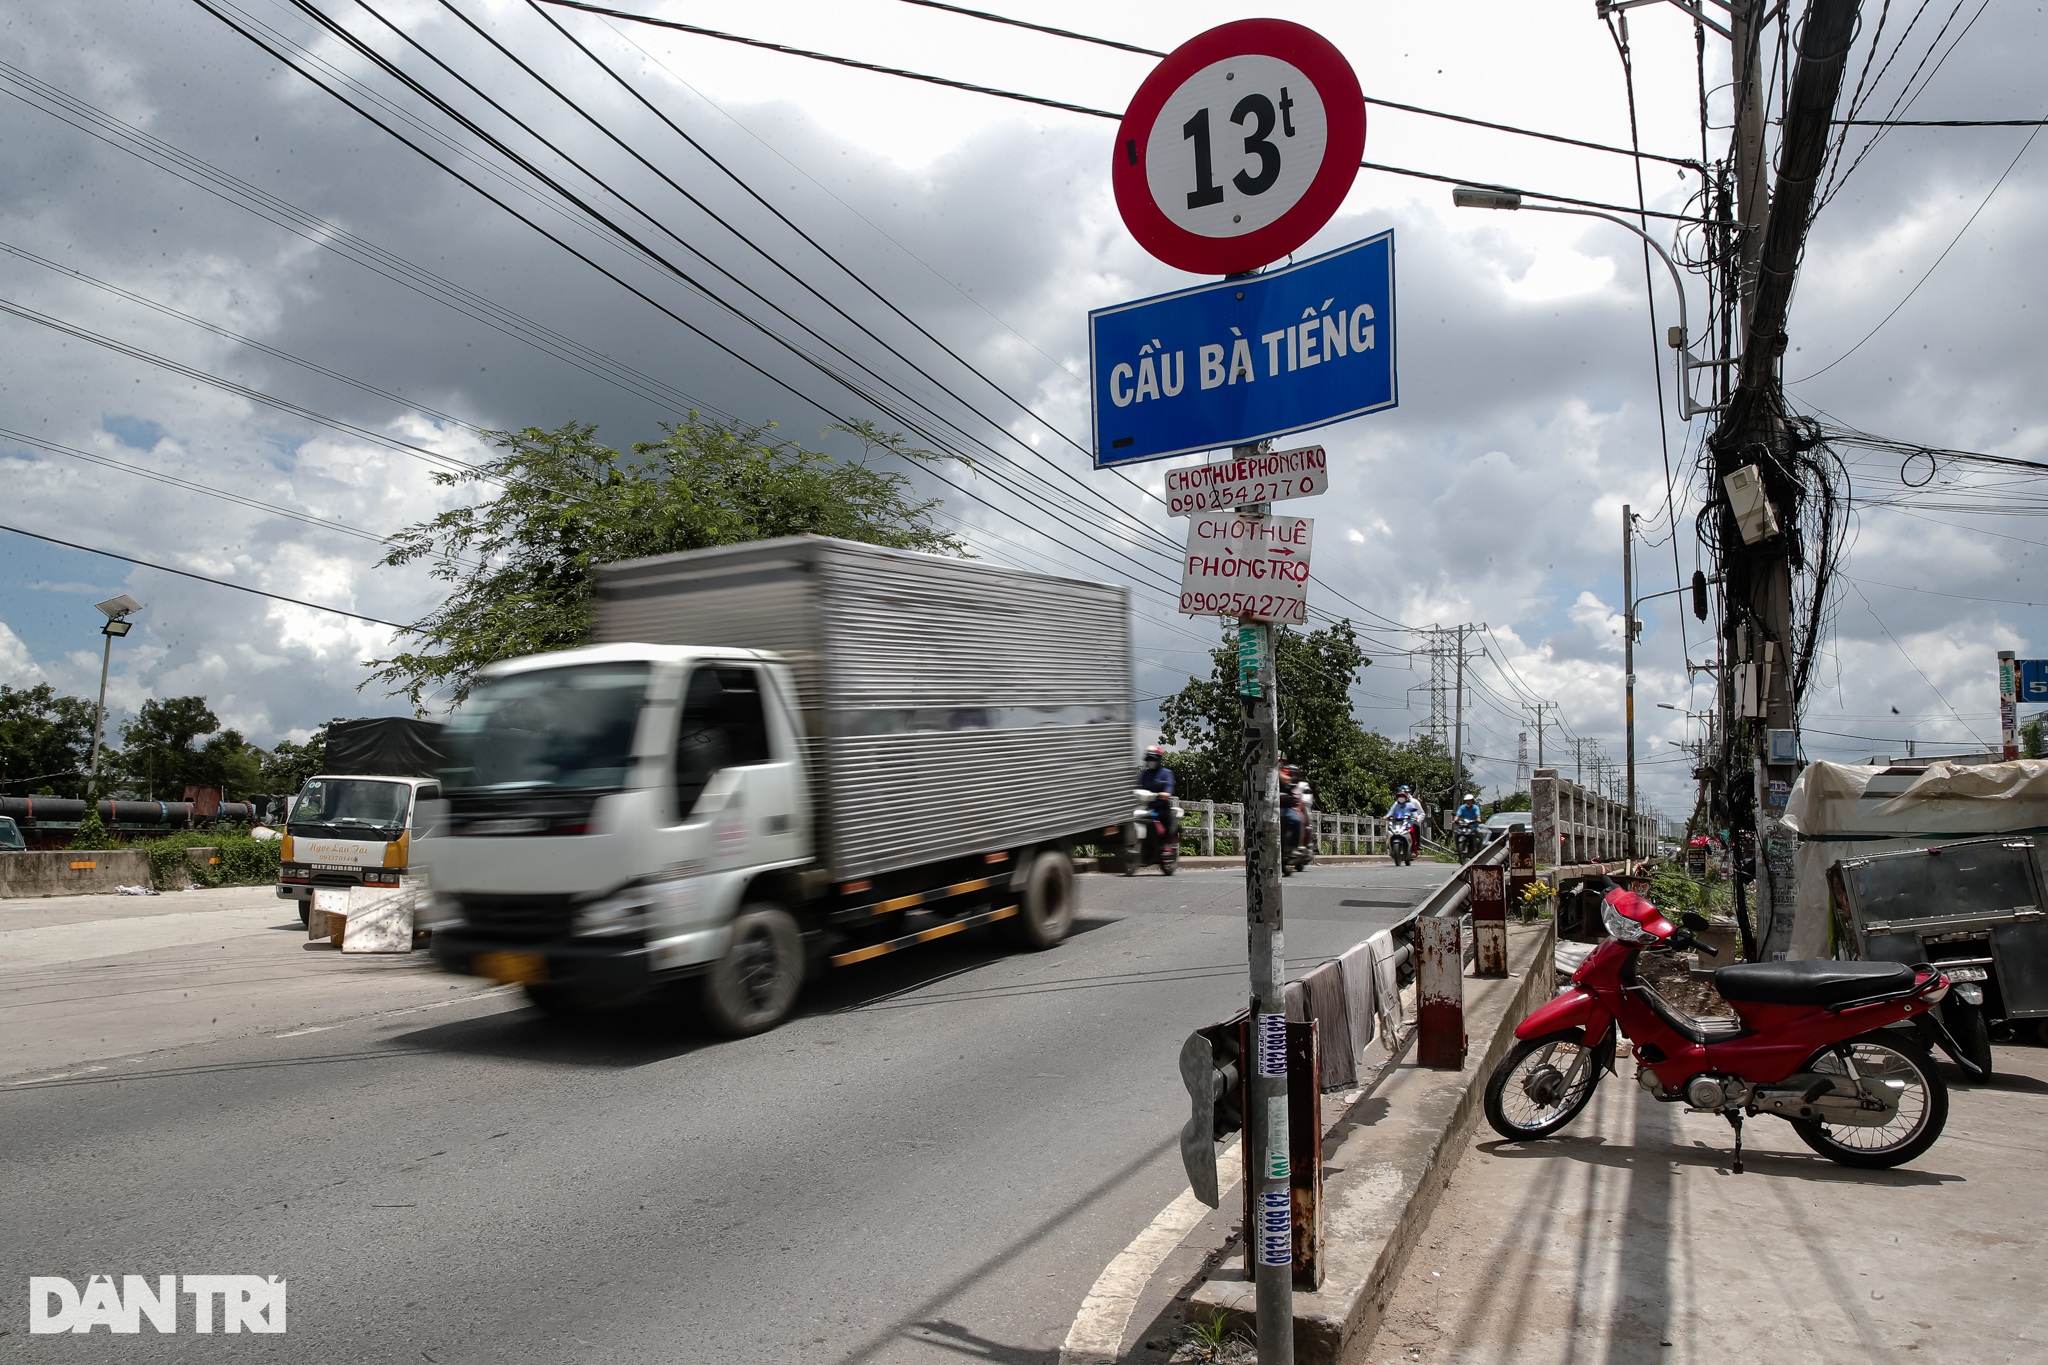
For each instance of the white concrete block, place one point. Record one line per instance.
(379, 920)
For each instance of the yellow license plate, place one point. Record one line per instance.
(513, 969)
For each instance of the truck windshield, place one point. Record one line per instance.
(561, 729)
(351, 803)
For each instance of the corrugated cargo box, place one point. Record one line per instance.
(952, 706)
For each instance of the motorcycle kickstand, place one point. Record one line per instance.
(1734, 1117)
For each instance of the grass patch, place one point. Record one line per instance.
(243, 861)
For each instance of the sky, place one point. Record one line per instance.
(244, 326)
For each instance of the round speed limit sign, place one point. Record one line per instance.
(1239, 146)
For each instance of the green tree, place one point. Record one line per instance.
(1350, 767)
(287, 766)
(160, 750)
(519, 565)
(1513, 801)
(45, 740)
(231, 763)
(2033, 742)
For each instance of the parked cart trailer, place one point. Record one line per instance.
(1975, 909)
(784, 756)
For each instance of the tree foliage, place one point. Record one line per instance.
(1350, 767)
(288, 765)
(45, 741)
(519, 565)
(177, 742)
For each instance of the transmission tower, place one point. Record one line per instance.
(1439, 686)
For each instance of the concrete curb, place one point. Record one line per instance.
(1387, 1161)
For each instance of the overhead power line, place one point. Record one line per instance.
(927, 78)
(200, 577)
(1940, 123)
(986, 17)
(330, 236)
(434, 457)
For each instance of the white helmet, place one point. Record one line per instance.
(1470, 797)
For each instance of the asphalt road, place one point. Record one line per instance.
(931, 1163)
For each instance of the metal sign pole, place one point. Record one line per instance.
(1272, 1223)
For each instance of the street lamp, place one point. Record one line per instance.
(117, 610)
(1679, 337)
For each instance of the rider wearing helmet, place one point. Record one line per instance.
(1406, 807)
(1157, 778)
(1468, 812)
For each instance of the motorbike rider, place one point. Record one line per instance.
(1467, 816)
(1406, 807)
(1157, 778)
(1293, 806)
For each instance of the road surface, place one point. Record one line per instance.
(932, 1163)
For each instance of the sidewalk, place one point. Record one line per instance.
(1627, 1239)
(87, 978)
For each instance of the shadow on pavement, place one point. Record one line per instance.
(666, 1024)
(1594, 1151)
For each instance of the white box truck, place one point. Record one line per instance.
(778, 757)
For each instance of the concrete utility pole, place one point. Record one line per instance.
(1539, 708)
(1629, 627)
(1265, 1121)
(1752, 442)
(1458, 724)
(1752, 195)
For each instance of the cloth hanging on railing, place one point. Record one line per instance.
(1386, 985)
(1356, 965)
(1337, 1062)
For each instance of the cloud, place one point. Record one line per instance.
(1492, 494)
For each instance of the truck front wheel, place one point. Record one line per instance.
(1047, 909)
(753, 987)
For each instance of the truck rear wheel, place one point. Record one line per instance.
(753, 987)
(1046, 911)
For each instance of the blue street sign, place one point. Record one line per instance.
(2034, 681)
(1245, 359)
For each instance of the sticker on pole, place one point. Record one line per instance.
(1239, 146)
(1246, 479)
(1250, 568)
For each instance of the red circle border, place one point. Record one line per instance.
(1343, 100)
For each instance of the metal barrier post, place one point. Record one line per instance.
(1489, 921)
(1439, 993)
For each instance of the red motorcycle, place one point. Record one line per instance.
(1812, 1043)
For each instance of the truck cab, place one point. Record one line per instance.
(348, 830)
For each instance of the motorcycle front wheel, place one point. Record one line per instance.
(1922, 1111)
(1542, 1085)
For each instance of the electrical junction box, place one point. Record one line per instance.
(1784, 746)
(1754, 515)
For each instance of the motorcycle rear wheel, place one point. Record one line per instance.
(1169, 858)
(1542, 1085)
(1923, 1105)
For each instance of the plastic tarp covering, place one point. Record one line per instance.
(383, 746)
(1842, 810)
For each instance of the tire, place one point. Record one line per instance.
(1169, 858)
(1971, 1030)
(754, 986)
(1538, 1075)
(1910, 1134)
(305, 914)
(1046, 910)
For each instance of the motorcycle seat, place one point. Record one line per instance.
(1812, 981)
